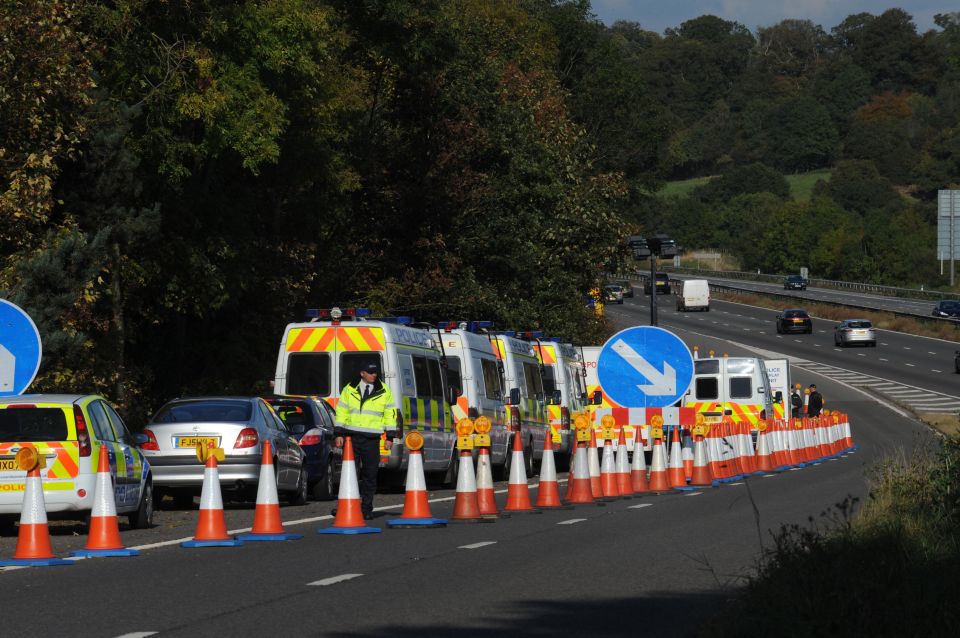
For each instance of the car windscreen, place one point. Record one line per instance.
(293, 413)
(859, 324)
(32, 424)
(795, 314)
(204, 411)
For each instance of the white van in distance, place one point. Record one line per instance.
(694, 294)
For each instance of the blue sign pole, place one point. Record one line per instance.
(645, 367)
(20, 349)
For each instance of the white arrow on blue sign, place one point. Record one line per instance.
(20, 349)
(645, 367)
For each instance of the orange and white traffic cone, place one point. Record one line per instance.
(687, 453)
(658, 467)
(33, 538)
(608, 473)
(267, 525)
(416, 509)
(638, 469)
(764, 457)
(701, 471)
(518, 490)
(624, 484)
(466, 506)
(675, 473)
(593, 462)
(104, 536)
(486, 499)
(548, 492)
(212, 525)
(578, 484)
(349, 517)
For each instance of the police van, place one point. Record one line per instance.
(733, 388)
(319, 357)
(473, 373)
(525, 399)
(563, 385)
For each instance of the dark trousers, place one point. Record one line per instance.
(366, 450)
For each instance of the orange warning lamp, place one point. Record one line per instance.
(656, 421)
(482, 426)
(204, 452)
(700, 419)
(701, 429)
(465, 429)
(29, 459)
(413, 441)
(582, 424)
(608, 428)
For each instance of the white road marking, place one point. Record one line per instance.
(928, 352)
(816, 345)
(906, 347)
(882, 359)
(860, 354)
(911, 365)
(636, 507)
(477, 545)
(693, 494)
(138, 634)
(334, 580)
(933, 370)
(572, 521)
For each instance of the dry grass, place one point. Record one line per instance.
(948, 424)
(883, 320)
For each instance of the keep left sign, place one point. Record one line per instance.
(20, 349)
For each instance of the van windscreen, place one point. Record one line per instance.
(308, 373)
(707, 366)
(32, 424)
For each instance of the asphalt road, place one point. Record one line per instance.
(658, 565)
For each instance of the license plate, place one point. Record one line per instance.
(798, 321)
(8, 464)
(859, 332)
(193, 441)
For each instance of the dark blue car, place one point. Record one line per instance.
(310, 420)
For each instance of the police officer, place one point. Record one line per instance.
(796, 403)
(364, 412)
(815, 402)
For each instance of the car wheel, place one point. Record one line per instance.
(299, 495)
(322, 490)
(143, 517)
(528, 459)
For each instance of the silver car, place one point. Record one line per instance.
(854, 331)
(238, 425)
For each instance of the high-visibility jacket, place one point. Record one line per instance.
(375, 415)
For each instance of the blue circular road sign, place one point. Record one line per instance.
(20, 349)
(645, 367)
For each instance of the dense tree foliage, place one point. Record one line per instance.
(178, 180)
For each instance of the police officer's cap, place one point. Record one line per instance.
(372, 368)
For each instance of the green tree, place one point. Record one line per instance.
(802, 136)
(741, 180)
(856, 185)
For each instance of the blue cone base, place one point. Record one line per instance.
(349, 530)
(269, 537)
(89, 553)
(417, 522)
(35, 562)
(689, 488)
(227, 543)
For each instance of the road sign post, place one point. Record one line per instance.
(20, 349)
(645, 367)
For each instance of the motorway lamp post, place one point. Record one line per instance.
(656, 246)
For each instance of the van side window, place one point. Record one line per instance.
(436, 379)
(308, 373)
(706, 366)
(454, 379)
(407, 386)
(491, 379)
(549, 379)
(707, 388)
(422, 377)
(532, 377)
(740, 388)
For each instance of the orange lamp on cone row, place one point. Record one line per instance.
(416, 508)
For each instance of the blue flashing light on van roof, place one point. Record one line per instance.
(470, 326)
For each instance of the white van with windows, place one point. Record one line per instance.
(525, 399)
(733, 388)
(473, 372)
(318, 358)
(564, 386)
(694, 294)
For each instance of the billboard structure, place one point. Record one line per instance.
(948, 227)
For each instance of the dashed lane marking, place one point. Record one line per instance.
(477, 545)
(572, 521)
(333, 580)
(636, 507)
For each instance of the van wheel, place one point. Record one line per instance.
(453, 471)
(322, 490)
(503, 472)
(143, 517)
(528, 464)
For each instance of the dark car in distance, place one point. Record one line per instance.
(794, 320)
(794, 282)
(663, 284)
(310, 420)
(947, 308)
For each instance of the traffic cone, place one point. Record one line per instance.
(466, 506)
(578, 485)
(548, 492)
(33, 538)
(349, 518)
(764, 457)
(658, 469)
(104, 536)
(686, 453)
(593, 462)
(624, 484)
(416, 509)
(267, 525)
(701, 471)
(638, 469)
(211, 526)
(518, 491)
(675, 473)
(486, 499)
(608, 473)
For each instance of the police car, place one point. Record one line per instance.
(69, 429)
